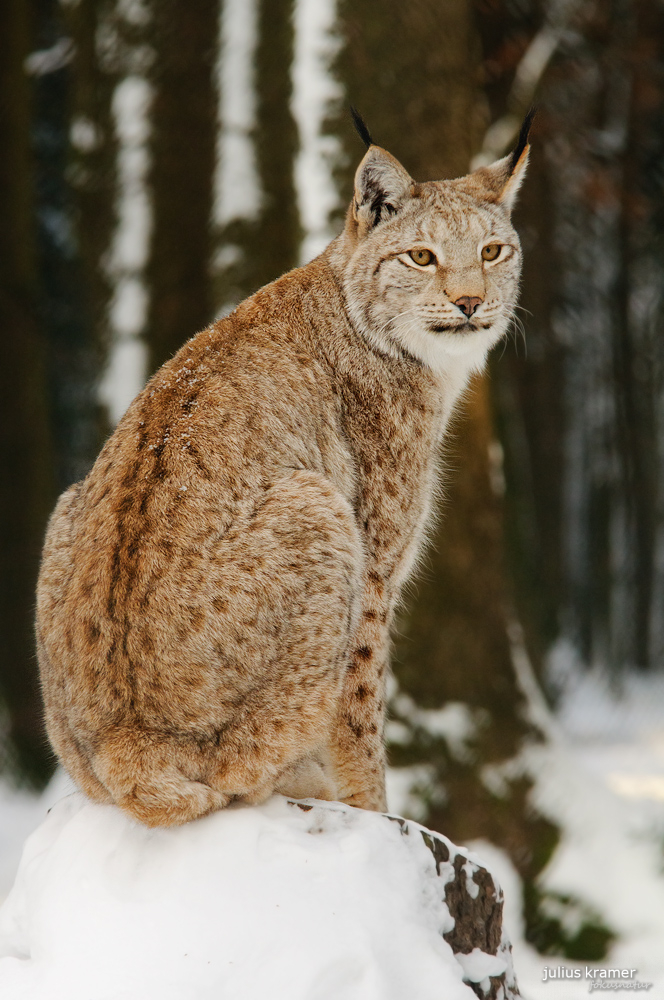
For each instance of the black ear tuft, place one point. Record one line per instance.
(361, 127)
(522, 141)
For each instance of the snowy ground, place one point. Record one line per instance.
(601, 778)
(21, 812)
(320, 902)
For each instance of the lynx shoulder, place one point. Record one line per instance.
(215, 598)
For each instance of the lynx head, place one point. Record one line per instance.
(433, 269)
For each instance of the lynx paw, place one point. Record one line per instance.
(373, 799)
(306, 779)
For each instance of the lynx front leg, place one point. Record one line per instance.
(358, 745)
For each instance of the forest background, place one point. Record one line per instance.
(162, 159)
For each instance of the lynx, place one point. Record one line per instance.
(215, 598)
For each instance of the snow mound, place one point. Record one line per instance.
(300, 901)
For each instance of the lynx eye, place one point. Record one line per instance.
(421, 257)
(492, 251)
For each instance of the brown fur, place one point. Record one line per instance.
(215, 597)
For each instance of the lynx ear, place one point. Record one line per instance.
(381, 187)
(503, 178)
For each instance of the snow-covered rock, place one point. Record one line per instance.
(305, 901)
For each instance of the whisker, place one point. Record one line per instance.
(522, 309)
(393, 319)
(517, 329)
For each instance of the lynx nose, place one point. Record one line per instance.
(468, 304)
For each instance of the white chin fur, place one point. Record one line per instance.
(436, 349)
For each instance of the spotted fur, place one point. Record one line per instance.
(215, 598)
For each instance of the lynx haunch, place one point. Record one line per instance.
(215, 598)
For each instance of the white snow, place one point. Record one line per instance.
(599, 776)
(456, 722)
(249, 903)
(237, 193)
(599, 779)
(611, 854)
(315, 91)
(408, 789)
(45, 61)
(21, 811)
(609, 857)
(126, 367)
(478, 966)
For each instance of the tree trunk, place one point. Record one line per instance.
(262, 246)
(92, 176)
(27, 489)
(184, 114)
